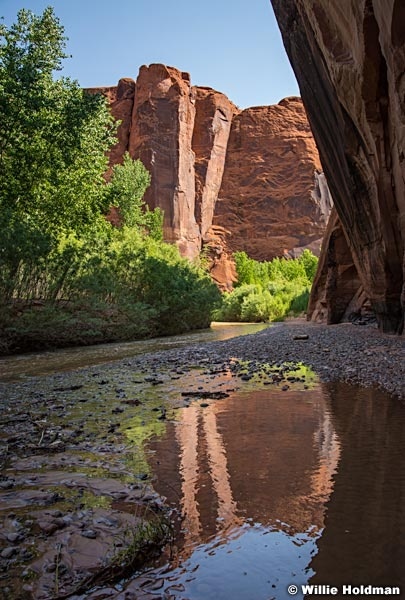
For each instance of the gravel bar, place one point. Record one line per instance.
(355, 354)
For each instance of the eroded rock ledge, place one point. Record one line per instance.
(350, 64)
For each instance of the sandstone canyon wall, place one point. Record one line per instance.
(161, 132)
(271, 198)
(226, 179)
(349, 59)
(214, 116)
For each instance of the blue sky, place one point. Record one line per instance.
(233, 46)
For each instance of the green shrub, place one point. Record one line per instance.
(299, 303)
(231, 305)
(268, 291)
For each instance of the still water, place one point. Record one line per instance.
(284, 488)
(68, 359)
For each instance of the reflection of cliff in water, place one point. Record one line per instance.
(259, 458)
(363, 541)
(278, 488)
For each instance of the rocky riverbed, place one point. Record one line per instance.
(357, 354)
(78, 508)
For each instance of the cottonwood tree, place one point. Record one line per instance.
(54, 139)
(129, 182)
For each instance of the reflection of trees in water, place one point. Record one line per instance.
(363, 541)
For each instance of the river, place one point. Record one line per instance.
(276, 481)
(68, 359)
(280, 489)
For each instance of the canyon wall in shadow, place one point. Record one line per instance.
(349, 60)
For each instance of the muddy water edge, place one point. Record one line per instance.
(261, 475)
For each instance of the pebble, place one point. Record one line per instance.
(55, 513)
(48, 527)
(7, 484)
(8, 552)
(89, 533)
(14, 537)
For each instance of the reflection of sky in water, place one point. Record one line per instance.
(253, 562)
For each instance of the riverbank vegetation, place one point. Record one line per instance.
(268, 291)
(67, 276)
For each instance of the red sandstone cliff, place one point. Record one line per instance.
(225, 179)
(161, 132)
(214, 114)
(349, 59)
(271, 196)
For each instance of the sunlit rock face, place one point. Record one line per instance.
(349, 59)
(221, 265)
(226, 179)
(214, 115)
(272, 198)
(121, 100)
(161, 133)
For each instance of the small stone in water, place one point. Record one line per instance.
(89, 533)
(7, 484)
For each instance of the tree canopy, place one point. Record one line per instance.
(53, 135)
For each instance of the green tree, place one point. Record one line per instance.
(244, 268)
(127, 188)
(114, 283)
(268, 290)
(310, 264)
(54, 139)
(129, 182)
(53, 135)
